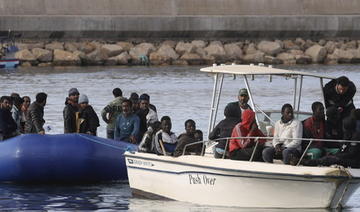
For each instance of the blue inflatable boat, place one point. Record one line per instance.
(65, 158)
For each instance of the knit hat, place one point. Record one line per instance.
(243, 91)
(145, 97)
(83, 99)
(73, 91)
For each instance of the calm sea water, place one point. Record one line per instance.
(180, 92)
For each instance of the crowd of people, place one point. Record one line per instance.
(338, 120)
(132, 119)
(135, 120)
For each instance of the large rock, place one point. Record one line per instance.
(216, 50)
(71, 47)
(164, 55)
(95, 57)
(64, 58)
(123, 58)
(272, 60)
(331, 59)
(192, 58)
(198, 43)
(270, 48)
(140, 51)
(250, 49)
(54, 45)
(182, 48)
(233, 51)
(317, 53)
(25, 56)
(330, 46)
(126, 46)
(303, 59)
(111, 50)
(87, 47)
(290, 45)
(170, 43)
(347, 56)
(42, 55)
(30, 46)
(286, 58)
(257, 57)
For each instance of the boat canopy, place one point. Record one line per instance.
(256, 70)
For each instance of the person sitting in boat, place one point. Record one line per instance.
(314, 127)
(70, 110)
(224, 129)
(111, 111)
(243, 148)
(188, 138)
(146, 144)
(349, 154)
(127, 124)
(88, 121)
(242, 103)
(24, 111)
(339, 93)
(134, 98)
(165, 140)
(16, 112)
(285, 144)
(199, 136)
(7, 124)
(35, 119)
(146, 114)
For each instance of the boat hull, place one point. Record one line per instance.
(9, 63)
(208, 181)
(67, 158)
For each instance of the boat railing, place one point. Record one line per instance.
(256, 140)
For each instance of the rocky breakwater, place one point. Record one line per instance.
(197, 52)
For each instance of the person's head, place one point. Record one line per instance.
(190, 127)
(198, 135)
(318, 110)
(248, 119)
(17, 101)
(83, 101)
(144, 101)
(6, 102)
(41, 98)
(134, 98)
(342, 85)
(74, 95)
(333, 114)
(166, 124)
(243, 96)
(117, 92)
(15, 95)
(26, 101)
(287, 113)
(126, 106)
(230, 111)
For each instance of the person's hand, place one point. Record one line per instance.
(278, 148)
(132, 139)
(42, 132)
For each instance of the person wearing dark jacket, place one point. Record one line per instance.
(88, 121)
(339, 93)
(242, 103)
(7, 124)
(70, 110)
(35, 116)
(187, 138)
(224, 128)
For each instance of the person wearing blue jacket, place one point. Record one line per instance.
(127, 124)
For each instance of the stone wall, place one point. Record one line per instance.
(72, 19)
(196, 52)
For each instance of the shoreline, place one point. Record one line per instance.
(193, 52)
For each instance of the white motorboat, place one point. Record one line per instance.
(222, 182)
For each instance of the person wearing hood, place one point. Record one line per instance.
(224, 129)
(88, 121)
(287, 138)
(70, 110)
(242, 148)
